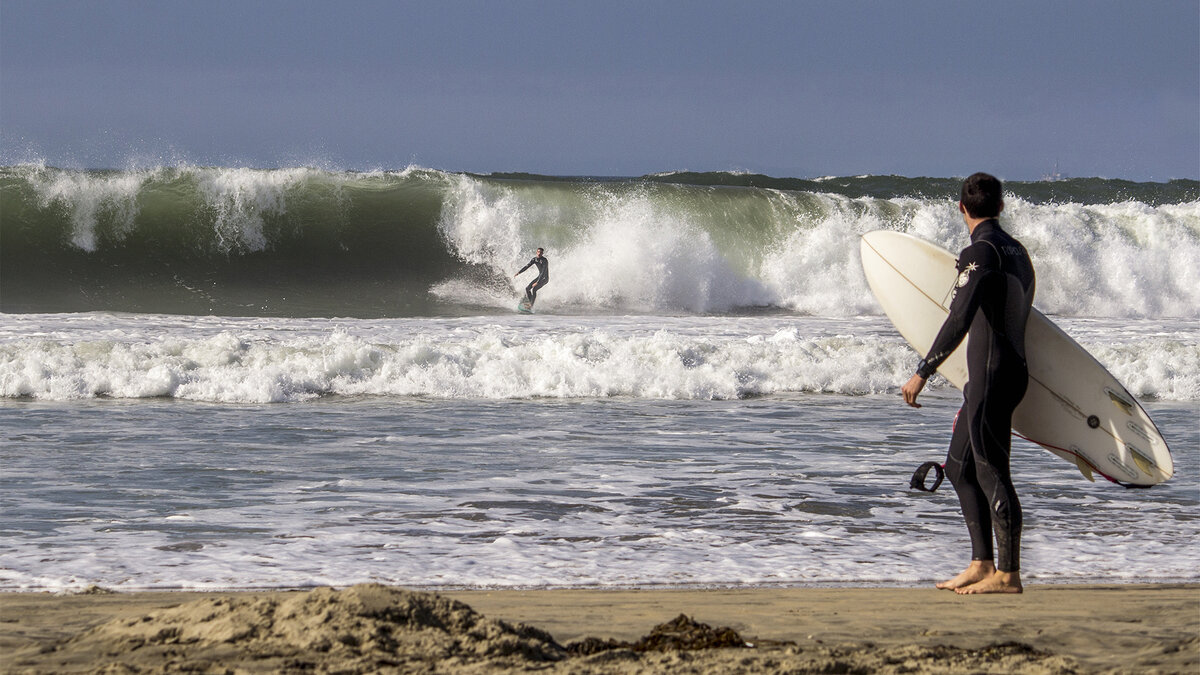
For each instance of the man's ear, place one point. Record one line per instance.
(962, 209)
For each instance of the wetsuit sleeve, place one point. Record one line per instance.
(975, 264)
(527, 266)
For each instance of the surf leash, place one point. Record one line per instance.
(918, 477)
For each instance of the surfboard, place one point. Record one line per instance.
(525, 306)
(1073, 407)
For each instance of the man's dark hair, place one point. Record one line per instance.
(982, 195)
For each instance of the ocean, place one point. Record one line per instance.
(232, 378)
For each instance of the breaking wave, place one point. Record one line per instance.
(304, 242)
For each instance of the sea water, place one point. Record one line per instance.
(227, 378)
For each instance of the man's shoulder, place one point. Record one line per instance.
(981, 253)
(1006, 245)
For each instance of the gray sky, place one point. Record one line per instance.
(917, 88)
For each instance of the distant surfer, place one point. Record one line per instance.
(543, 268)
(991, 303)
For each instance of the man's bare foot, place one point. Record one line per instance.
(976, 572)
(1000, 582)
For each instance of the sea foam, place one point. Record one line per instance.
(540, 357)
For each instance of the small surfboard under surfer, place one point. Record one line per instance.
(543, 277)
(992, 301)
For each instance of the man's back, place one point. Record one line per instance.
(1005, 286)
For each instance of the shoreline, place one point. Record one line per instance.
(1152, 627)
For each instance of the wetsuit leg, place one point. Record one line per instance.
(531, 290)
(961, 470)
(991, 444)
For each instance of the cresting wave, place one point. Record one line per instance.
(307, 242)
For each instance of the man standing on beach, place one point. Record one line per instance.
(543, 268)
(992, 300)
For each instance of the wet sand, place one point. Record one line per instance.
(1151, 628)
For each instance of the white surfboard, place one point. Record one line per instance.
(1073, 407)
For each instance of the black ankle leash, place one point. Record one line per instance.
(918, 477)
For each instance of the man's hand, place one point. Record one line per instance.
(912, 389)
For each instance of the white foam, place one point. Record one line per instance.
(613, 248)
(488, 363)
(241, 198)
(258, 360)
(1128, 259)
(814, 267)
(90, 197)
(237, 198)
(666, 249)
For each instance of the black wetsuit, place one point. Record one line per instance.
(992, 301)
(543, 267)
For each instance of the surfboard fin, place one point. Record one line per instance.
(1084, 469)
(1144, 463)
(1125, 405)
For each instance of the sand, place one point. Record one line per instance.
(379, 629)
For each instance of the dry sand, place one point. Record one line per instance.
(370, 628)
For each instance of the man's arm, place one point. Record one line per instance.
(976, 262)
(524, 268)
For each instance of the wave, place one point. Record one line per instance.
(730, 358)
(418, 242)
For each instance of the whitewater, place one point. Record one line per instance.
(219, 377)
(251, 360)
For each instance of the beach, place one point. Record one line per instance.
(1134, 628)
(248, 382)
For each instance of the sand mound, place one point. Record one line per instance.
(363, 629)
(681, 633)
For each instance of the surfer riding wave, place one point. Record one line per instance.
(543, 277)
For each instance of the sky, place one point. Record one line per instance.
(611, 88)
